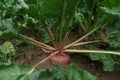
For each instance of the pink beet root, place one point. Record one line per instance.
(61, 58)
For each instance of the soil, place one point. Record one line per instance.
(31, 56)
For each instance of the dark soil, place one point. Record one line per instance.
(28, 56)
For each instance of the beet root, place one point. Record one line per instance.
(61, 58)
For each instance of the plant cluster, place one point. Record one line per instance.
(56, 19)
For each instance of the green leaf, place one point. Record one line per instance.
(106, 59)
(12, 71)
(16, 72)
(75, 73)
(113, 33)
(115, 11)
(7, 30)
(51, 9)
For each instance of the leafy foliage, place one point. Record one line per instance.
(18, 16)
(88, 14)
(8, 13)
(113, 33)
(16, 72)
(7, 51)
(97, 13)
(13, 18)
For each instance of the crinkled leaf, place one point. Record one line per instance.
(7, 30)
(106, 59)
(6, 52)
(7, 48)
(9, 8)
(113, 33)
(16, 72)
(11, 15)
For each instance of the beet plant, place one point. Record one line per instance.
(57, 18)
